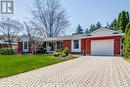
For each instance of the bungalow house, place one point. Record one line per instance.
(100, 42)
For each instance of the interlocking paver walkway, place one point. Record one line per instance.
(87, 71)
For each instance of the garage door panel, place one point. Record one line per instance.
(102, 47)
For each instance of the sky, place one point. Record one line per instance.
(83, 12)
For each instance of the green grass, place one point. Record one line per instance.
(11, 65)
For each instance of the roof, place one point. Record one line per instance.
(12, 36)
(106, 29)
(70, 37)
(108, 32)
(80, 36)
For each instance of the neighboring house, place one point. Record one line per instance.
(4, 42)
(100, 42)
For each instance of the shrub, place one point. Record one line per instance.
(59, 50)
(66, 51)
(7, 51)
(56, 54)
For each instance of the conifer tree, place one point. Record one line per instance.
(127, 16)
(98, 25)
(123, 20)
(86, 31)
(92, 28)
(118, 21)
(127, 41)
(107, 26)
(113, 25)
(79, 30)
(122, 25)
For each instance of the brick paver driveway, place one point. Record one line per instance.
(88, 71)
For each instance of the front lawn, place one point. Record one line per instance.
(11, 65)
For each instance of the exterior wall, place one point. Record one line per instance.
(3, 45)
(83, 46)
(20, 47)
(88, 46)
(117, 44)
(67, 43)
(30, 47)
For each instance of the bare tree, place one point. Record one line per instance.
(50, 16)
(9, 29)
(35, 35)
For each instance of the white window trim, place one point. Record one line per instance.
(26, 50)
(72, 46)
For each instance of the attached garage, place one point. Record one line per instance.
(102, 47)
(103, 42)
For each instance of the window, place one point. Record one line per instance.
(25, 45)
(76, 44)
(50, 46)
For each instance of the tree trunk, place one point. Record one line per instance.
(10, 45)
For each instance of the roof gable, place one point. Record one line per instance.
(103, 32)
(24, 38)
